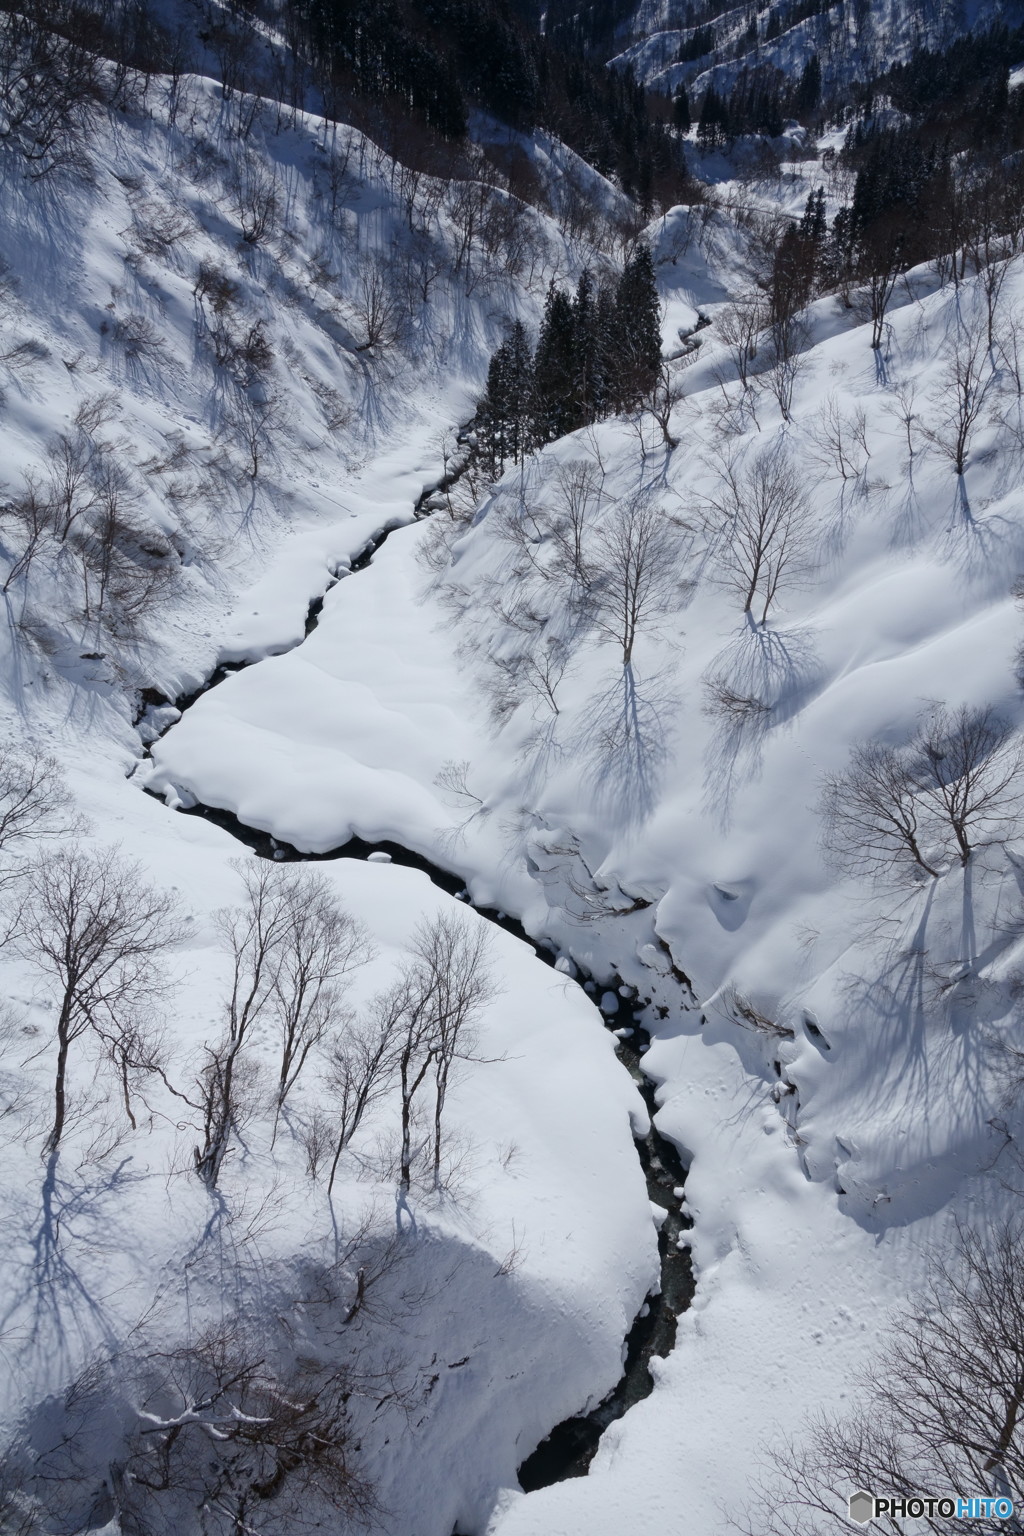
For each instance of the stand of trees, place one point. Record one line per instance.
(431, 61)
(599, 351)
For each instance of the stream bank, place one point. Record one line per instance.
(569, 1448)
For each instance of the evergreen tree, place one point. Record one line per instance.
(504, 411)
(608, 358)
(807, 96)
(554, 369)
(681, 110)
(710, 124)
(585, 349)
(637, 329)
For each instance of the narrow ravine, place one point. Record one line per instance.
(571, 1445)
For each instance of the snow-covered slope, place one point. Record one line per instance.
(833, 1078)
(200, 432)
(851, 42)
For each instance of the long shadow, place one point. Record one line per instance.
(624, 744)
(762, 679)
(55, 1305)
(902, 1004)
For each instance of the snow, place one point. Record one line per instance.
(653, 845)
(814, 1189)
(530, 1266)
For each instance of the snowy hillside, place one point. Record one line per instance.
(685, 797)
(851, 42)
(467, 877)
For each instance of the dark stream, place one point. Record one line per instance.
(570, 1447)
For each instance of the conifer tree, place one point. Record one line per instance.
(637, 329)
(681, 110)
(585, 350)
(504, 412)
(554, 369)
(808, 92)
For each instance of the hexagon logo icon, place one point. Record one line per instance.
(862, 1507)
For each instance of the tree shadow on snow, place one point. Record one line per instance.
(624, 745)
(762, 679)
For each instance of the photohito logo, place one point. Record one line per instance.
(866, 1506)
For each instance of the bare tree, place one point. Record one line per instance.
(50, 88)
(666, 395)
(96, 929)
(378, 306)
(34, 804)
(453, 970)
(739, 325)
(874, 820)
(759, 524)
(839, 442)
(254, 934)
(968, 762)
(941, 1415)
(882, 264)
(960, 395)
(319, 945)
(950, 790)
(578, 496)
(635, 574)
(787, 361)
(362, 1066)
(257, 416)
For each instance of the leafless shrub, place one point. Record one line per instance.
(213, 285)
(96, 412)
(753, 1018)
(22, 356)
(256, 199)
(722, 701)
(94, 927)
(126, 565)
(138, 338)
(228, 1423)
(157, 228)
(940, 1413)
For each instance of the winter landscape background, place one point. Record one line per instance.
(512, 554)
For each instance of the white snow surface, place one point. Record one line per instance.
(638, 834)
(823, 1164)
(522, 1278)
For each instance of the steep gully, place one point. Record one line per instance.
(570, 1447)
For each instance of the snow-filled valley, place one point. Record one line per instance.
(345, 737)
